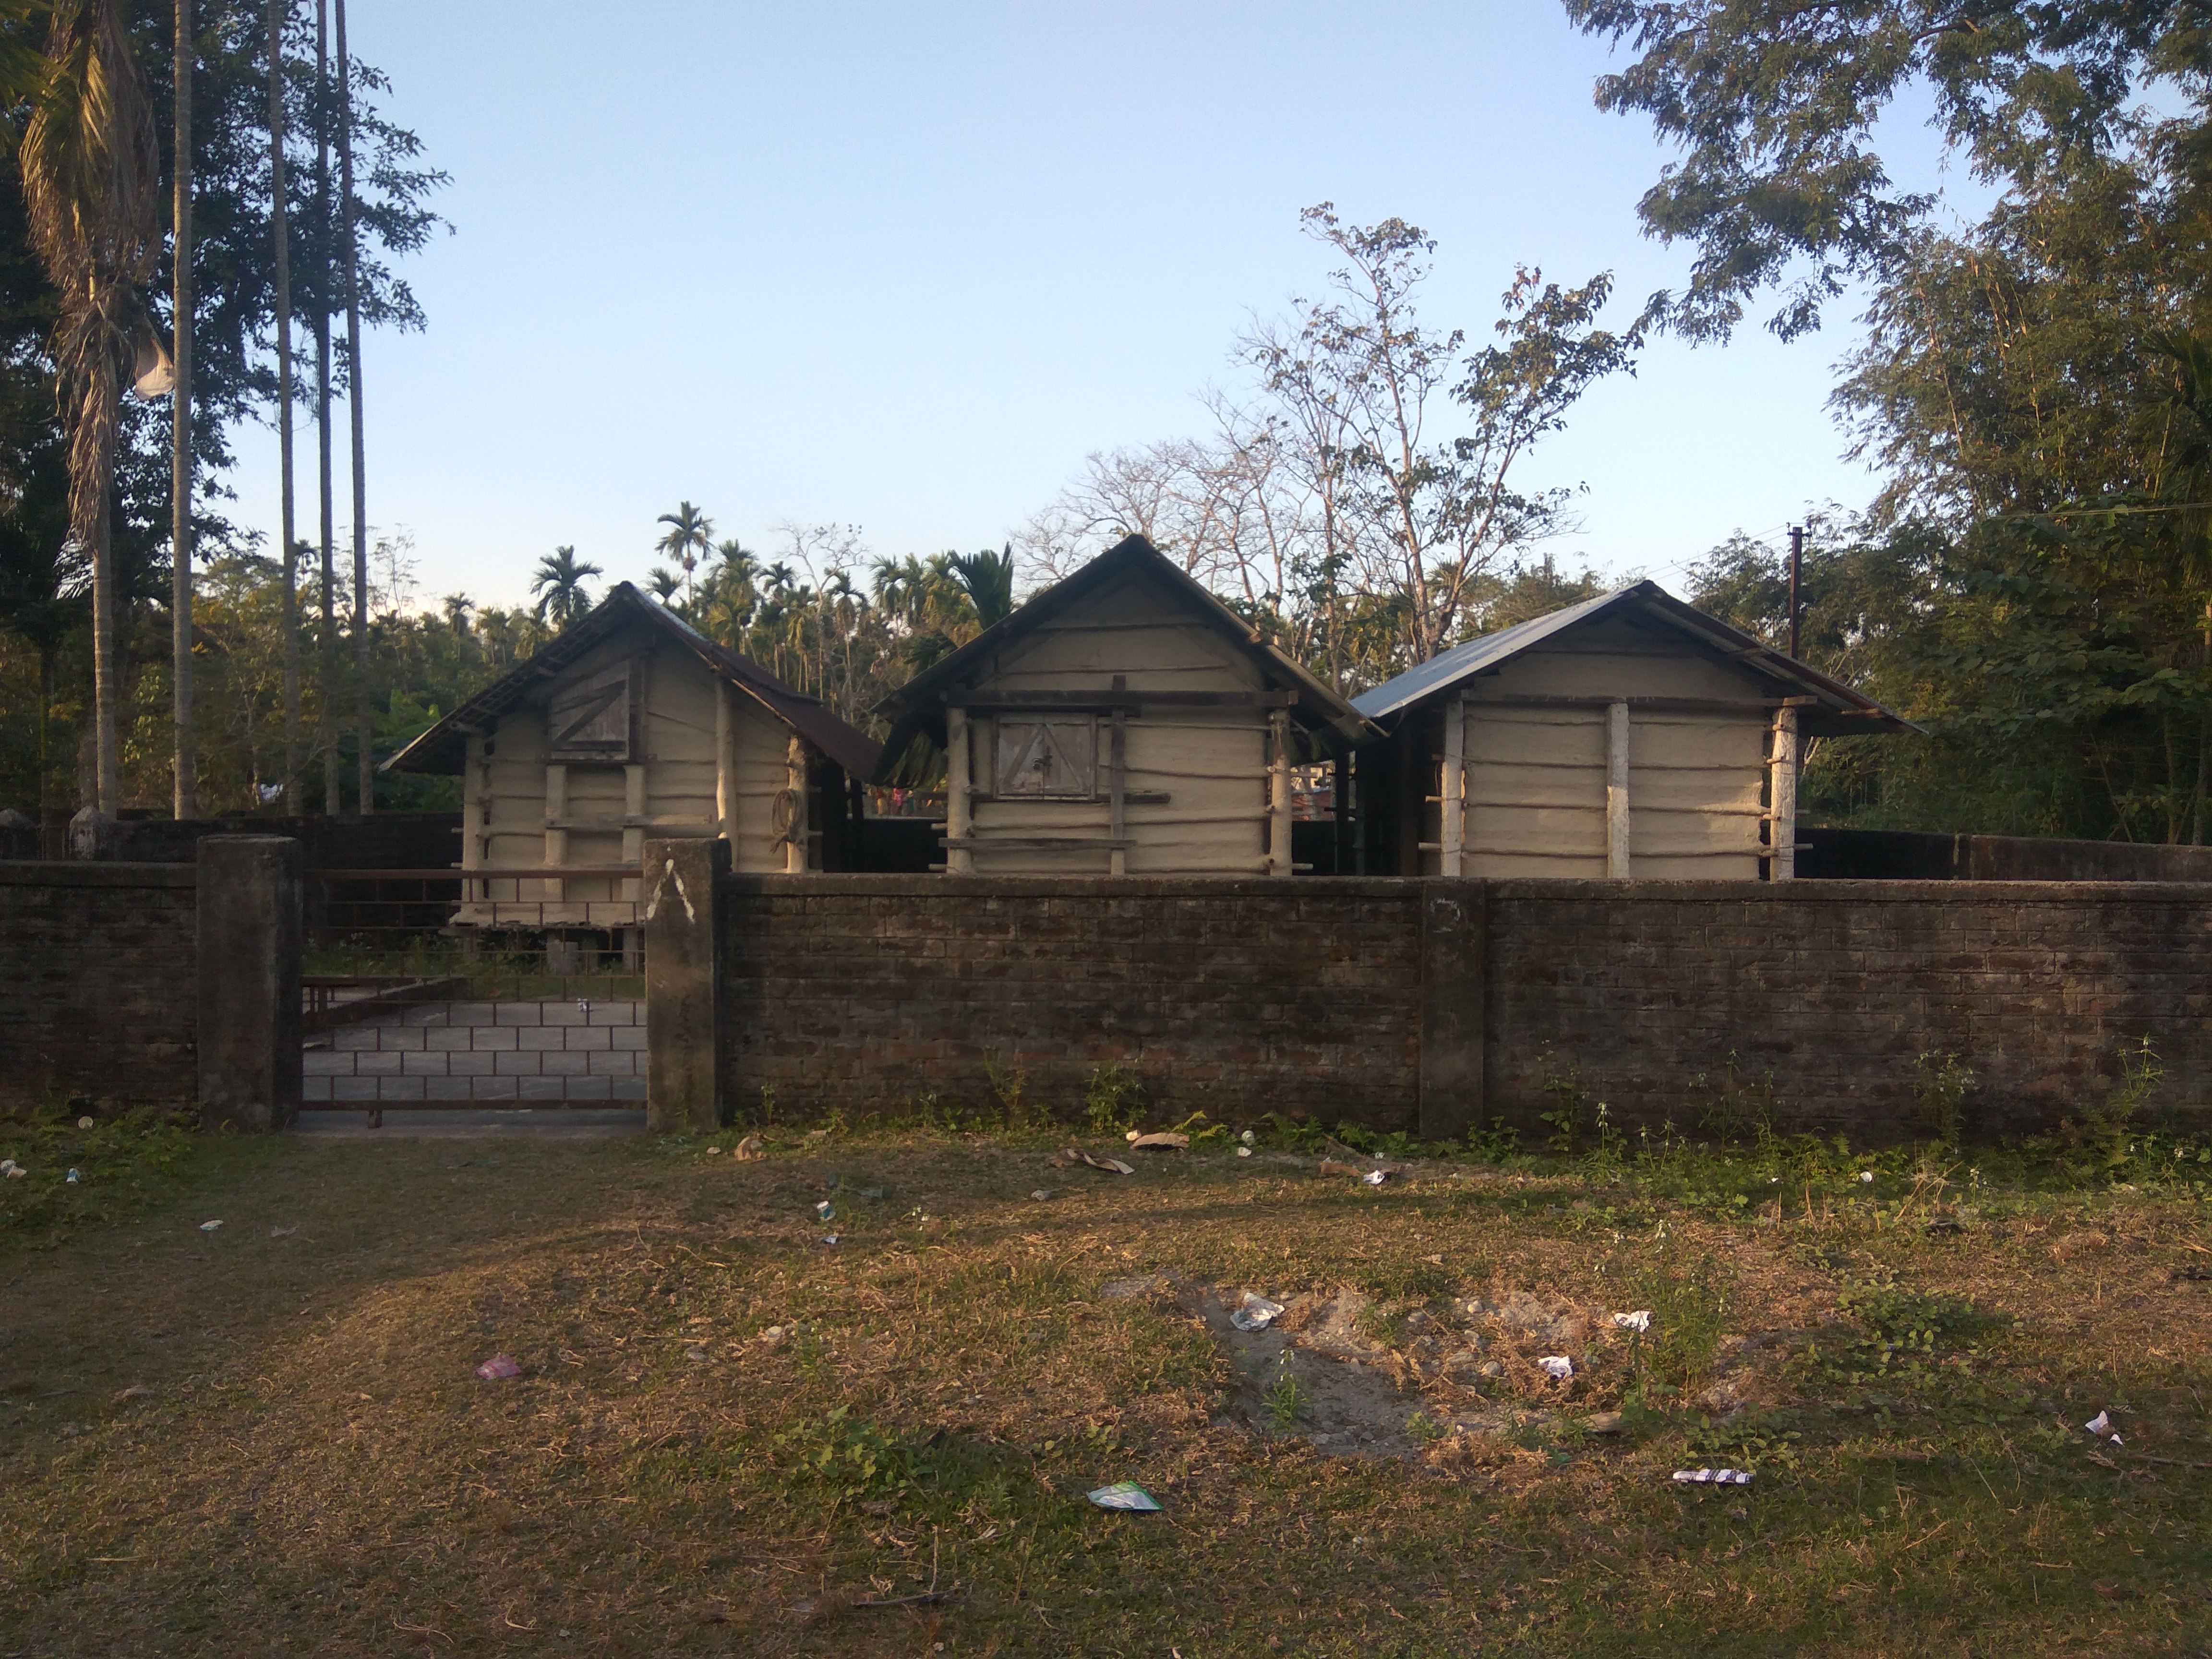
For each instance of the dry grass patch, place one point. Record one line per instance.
(730, 1435)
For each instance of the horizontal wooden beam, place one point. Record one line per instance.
(1657, 705)
(1037, 843)
(529, 872)
(1105, 701)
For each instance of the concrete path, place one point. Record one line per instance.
(550, 1050)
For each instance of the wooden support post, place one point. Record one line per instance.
(635, 800)
(1616, 791)
(1452, 796)
(556, 840)
(476, 801)
(794, 762)
(1279, 795)
(958, 860)
(1116, 810)
(1782, 794)
(726, 766)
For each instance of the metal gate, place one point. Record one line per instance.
(436, 990)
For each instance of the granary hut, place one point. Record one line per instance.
(1122, 722)
(632, 724)
(1629, 736)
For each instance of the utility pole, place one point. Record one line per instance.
(1796, 570)
(185, 802)
(363, 715)
(278, 10)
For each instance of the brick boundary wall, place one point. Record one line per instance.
(869, 993)
(1837, 987)
(99, 998)
(1406, 1003)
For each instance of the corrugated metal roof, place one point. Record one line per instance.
(1448, 667)
(1462, 662)
(443, 750)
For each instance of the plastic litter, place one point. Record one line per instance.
(1866, 1176)
(752, 1147)
(2100, 1424)
(584, 1006)
(826, 1211)
(497, 1368)
(1639, 1320)
(84, 1123)
(210, 1226)
(694, 1354)
(1041, 1196)
(1243, 1151)
(1557, 1366)
(713, 1152)
(1376, 1177)
(1249, 1138)
(1164, 1140)
(831, 1239)
(1124, 1495)
(7, 1165)
(12, 1170)
(1256, 1314)
(1713, 1477)
(72, 1177)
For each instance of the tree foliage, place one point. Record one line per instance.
(1776, 106)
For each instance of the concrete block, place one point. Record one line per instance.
(521, 1063)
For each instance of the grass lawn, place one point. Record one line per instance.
(729, 1436)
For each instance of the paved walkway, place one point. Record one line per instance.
(433, 1053)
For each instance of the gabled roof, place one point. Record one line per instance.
(1840, 711)
(444, 748)
(916, 710)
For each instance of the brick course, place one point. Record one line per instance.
(100, 997)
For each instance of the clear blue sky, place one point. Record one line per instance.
(903, 267)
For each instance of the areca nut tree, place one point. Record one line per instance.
(91, 181)
(690, 534)
(563, 598)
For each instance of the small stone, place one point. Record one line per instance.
(84, 1123)
(1601, 1423)
(1491, 1368)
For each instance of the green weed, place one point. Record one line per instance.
(1113, 1098)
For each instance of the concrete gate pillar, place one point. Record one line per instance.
(682, 1011)
(250, 943)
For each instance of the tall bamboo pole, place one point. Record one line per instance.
(330, 640)
(363, 714)
(278, 217)
(184, 801)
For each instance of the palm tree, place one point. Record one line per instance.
(989, 580)
(91, 174)
(690, 533)
(663, 582)
(458, 606)
(563, 598)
